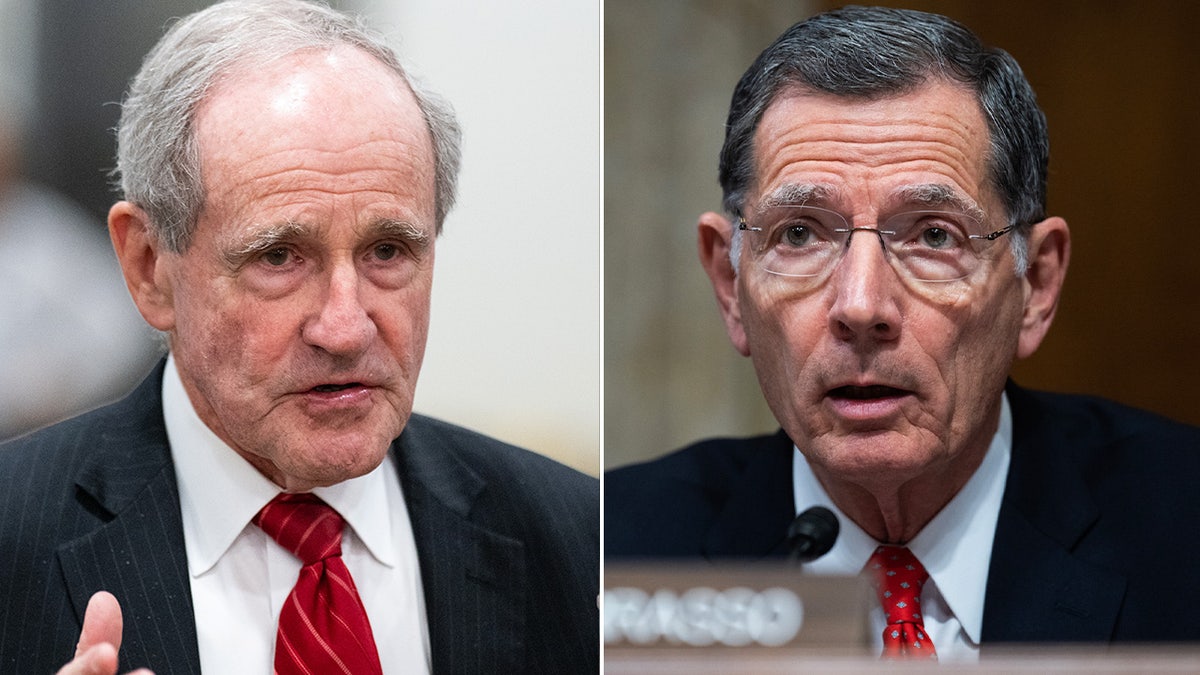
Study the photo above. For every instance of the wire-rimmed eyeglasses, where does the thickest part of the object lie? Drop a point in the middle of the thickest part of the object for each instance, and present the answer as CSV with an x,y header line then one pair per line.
x,y
807,241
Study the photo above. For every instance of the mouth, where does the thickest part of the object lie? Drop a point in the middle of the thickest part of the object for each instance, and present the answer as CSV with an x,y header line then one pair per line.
x,y
873,405
340,397
866,393
333,388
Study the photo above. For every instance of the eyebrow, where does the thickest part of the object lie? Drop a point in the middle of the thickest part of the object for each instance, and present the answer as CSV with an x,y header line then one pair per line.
x,y
939,196
796,194
259,240
924,195
250,244
417,238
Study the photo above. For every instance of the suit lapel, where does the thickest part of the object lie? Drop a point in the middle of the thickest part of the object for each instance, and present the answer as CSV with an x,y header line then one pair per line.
x,y
1038,588
138,553
754,519
1038,591
474,578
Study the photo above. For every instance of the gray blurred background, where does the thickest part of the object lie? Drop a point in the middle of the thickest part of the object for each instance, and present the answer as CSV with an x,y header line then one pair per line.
x,y
514,346
1118,84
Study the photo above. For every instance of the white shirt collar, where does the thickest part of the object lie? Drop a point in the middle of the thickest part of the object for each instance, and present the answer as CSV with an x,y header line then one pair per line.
x,y
219,492
955,547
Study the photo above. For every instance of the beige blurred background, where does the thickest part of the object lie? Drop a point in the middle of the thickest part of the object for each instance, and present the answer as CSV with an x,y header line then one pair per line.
x,y
1118,84
514,345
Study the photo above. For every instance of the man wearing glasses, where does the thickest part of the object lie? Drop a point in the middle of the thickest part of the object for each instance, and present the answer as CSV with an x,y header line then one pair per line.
x,y
884,259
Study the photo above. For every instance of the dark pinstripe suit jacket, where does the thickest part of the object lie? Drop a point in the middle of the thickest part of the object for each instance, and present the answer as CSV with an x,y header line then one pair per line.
x,y
508,543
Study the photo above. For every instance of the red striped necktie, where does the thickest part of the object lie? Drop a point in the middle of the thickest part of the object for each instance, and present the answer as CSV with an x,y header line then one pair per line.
x,y
900,577
323,627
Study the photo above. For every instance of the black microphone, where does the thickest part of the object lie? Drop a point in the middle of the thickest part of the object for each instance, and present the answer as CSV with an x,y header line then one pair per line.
x,y
812,534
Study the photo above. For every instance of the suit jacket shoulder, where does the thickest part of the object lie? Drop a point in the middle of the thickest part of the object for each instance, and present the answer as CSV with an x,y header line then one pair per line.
x,y
527,477
1093,540
727,497
1095,523
508,543
91,504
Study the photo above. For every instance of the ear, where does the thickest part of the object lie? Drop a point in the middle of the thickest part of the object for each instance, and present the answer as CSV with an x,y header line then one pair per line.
x,y
715,240
1049,254
144,264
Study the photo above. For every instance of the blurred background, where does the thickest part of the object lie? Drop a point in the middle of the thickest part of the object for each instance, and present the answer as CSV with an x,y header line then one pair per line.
x,y
1117,82
514,344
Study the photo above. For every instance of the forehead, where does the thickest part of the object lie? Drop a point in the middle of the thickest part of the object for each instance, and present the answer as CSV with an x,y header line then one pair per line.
x,y
335,121
872,151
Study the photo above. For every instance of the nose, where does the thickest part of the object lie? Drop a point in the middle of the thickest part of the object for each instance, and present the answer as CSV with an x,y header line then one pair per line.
x,y
342,326
865,288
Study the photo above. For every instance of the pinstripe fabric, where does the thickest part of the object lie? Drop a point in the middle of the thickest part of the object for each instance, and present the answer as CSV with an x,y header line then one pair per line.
x,y
93,505
509,549
323,627
508,543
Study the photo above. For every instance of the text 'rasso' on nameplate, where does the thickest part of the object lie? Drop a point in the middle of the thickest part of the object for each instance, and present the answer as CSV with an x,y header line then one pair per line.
x,y
745,605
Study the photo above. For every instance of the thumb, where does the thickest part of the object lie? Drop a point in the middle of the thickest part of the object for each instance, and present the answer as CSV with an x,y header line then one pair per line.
x,y
99,660
101,623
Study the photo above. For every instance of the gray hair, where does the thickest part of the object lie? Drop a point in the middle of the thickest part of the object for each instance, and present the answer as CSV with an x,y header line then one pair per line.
x,y
870,53
158,164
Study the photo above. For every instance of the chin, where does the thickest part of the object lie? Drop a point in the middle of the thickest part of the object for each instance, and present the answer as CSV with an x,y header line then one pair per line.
x,y
327,470
326,459
872,456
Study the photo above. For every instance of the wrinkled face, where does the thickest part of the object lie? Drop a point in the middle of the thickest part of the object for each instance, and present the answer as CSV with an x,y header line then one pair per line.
x,y
871,373
300,309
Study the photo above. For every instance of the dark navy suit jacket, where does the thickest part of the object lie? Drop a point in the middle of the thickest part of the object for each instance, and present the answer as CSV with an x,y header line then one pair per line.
x,y
1097,539
508,544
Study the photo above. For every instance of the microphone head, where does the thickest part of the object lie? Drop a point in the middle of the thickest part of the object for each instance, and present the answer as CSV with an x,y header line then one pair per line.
x,y
812,534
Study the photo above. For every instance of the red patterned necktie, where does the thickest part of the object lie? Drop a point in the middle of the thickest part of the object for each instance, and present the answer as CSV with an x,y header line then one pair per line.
x,y
900,578
323,627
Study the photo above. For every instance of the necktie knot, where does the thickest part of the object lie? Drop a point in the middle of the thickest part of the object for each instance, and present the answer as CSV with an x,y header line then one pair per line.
x,y
304,525
899,578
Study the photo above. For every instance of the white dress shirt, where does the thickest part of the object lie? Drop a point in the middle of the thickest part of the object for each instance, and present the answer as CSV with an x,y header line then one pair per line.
x,y
240,577
955,548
